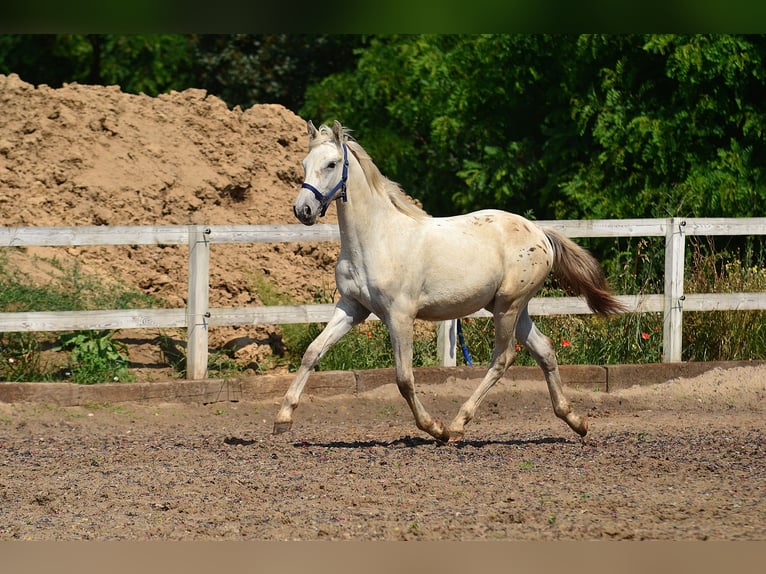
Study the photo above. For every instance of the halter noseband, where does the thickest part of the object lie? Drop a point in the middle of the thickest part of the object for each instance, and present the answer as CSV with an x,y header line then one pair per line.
x,y
325,200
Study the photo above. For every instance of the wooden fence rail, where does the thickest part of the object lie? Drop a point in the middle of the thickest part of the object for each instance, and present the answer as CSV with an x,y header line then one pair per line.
x,y
198,317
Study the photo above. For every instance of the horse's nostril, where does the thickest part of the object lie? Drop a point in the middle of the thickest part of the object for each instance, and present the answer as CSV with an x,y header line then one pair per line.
x,y
303,214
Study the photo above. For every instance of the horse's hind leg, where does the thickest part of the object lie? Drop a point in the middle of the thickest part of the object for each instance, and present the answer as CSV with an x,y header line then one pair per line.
x,y
346,315
542,350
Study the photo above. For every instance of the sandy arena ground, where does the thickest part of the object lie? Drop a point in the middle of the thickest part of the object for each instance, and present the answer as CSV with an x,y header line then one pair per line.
x,y
683,460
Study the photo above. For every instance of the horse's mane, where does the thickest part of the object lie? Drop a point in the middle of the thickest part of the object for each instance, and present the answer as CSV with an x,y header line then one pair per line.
x,y
378,182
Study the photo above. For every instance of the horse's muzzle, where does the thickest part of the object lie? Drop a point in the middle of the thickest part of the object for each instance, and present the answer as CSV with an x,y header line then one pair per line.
x,y
305,215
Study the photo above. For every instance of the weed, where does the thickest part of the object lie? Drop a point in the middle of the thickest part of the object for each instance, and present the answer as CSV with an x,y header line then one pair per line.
x,y
222,364
21,358
96,357
636,338
389,411
172,352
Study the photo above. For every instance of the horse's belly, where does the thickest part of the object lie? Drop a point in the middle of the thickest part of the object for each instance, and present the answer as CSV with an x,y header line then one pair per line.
x,y
450,302
446,313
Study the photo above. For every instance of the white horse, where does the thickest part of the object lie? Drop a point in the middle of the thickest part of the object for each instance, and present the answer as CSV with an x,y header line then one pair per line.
x,y
400,263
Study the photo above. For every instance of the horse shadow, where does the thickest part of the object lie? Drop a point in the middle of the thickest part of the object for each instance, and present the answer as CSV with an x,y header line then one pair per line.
x,y
410,442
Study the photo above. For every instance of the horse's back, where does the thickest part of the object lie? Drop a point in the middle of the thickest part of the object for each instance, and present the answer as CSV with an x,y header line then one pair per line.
x,y
488,228
467,260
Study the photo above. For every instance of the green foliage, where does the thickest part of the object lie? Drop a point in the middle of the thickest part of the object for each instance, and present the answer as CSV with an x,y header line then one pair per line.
x,y
149,63
21,360
221,364
246,69
95,357
671,125
591,126
635,338
68,289
366,346
580,339
241,69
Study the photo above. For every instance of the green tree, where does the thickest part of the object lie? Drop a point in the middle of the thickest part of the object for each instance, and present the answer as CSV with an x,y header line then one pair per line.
x,y
242,69
149,63
47,58
460,121
672,125
246,69
561,126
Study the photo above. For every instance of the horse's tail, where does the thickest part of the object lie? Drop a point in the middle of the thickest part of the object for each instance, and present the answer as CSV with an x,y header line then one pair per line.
x,y
579,272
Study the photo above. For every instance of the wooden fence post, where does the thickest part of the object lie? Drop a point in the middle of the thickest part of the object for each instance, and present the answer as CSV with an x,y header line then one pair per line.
x,y
672,336
197,305
446,343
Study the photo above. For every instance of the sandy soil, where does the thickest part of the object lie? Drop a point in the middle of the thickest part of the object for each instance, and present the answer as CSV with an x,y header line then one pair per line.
x,y
93,155
683,460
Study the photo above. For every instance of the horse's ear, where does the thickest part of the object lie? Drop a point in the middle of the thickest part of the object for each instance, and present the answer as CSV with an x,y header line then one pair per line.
x,y
337,131
311,129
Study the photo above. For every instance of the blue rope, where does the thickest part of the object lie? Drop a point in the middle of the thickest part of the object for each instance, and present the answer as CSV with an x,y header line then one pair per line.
x,y
461,339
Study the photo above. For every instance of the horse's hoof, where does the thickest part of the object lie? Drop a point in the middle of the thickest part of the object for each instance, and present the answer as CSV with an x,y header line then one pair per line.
x,y
578,424
440,433
281,427
455,437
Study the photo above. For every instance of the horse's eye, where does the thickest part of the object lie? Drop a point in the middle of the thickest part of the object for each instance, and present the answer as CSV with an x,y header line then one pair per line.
x,y
331,165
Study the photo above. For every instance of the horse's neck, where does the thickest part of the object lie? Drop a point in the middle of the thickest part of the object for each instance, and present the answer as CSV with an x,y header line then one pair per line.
x,y
367,216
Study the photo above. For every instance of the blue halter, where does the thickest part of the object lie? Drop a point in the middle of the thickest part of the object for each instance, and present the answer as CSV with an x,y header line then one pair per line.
x,y
325,200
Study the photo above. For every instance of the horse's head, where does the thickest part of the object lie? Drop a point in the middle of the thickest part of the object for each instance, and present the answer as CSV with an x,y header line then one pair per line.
x,y
326,169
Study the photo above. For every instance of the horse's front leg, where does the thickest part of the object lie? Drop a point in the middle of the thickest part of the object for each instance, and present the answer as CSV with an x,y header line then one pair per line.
x,y
347,314
401,331
504,354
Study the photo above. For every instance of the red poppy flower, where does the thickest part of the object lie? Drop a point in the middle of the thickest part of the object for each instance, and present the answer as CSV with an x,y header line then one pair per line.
x,y
565,343
644,336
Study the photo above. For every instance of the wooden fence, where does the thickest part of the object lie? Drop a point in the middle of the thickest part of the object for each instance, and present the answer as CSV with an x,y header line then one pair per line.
x,y
198,316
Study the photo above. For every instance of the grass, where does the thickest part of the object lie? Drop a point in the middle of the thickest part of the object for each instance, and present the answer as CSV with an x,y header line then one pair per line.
x,y
724,335
366,346
269,295
88,356
69,289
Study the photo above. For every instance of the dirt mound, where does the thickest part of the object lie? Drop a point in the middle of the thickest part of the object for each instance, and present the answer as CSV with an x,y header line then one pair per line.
x,y
93,155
